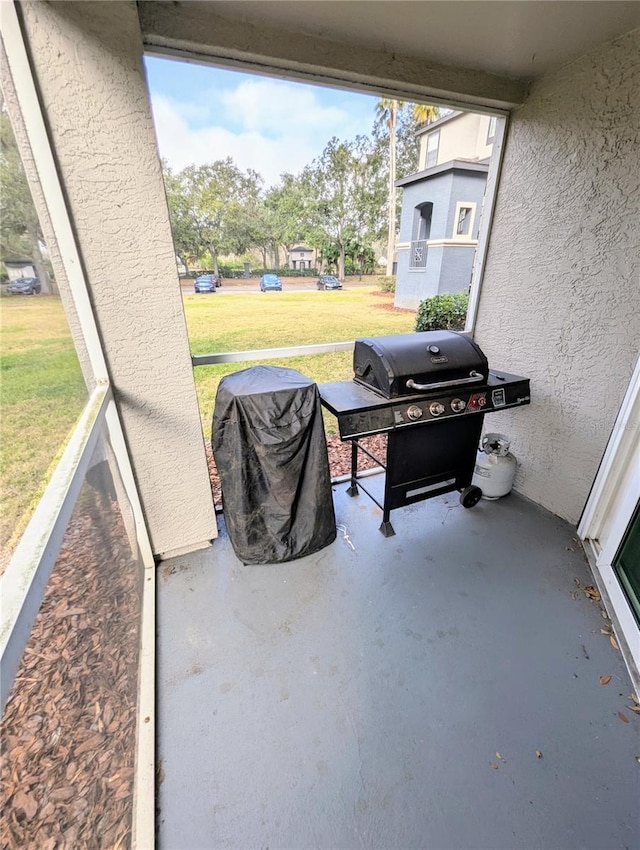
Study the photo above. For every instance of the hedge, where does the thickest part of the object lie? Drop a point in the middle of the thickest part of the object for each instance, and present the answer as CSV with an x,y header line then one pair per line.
x,y
387,283
443,312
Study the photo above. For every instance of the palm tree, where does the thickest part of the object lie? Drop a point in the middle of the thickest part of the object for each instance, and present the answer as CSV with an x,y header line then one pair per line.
x,y
424,113
387,113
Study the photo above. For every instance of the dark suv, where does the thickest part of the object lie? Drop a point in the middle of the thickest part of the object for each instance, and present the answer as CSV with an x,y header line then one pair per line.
x,y
24,286
328,281
207,283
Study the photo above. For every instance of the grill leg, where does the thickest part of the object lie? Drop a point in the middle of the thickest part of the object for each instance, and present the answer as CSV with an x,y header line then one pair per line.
x,y
385,527
352,490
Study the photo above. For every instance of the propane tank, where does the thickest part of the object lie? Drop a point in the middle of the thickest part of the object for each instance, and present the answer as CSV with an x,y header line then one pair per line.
x,y
495,467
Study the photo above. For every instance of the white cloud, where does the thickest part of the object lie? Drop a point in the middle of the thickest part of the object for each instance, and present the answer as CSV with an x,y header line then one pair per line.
x,y
282,128
282,107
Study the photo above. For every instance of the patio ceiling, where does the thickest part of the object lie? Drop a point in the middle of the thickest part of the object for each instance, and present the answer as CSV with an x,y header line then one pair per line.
x,y
460,54
517,39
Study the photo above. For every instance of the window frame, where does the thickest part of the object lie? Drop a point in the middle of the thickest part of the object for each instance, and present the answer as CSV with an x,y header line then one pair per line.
x,y
427,151
491,129
467,235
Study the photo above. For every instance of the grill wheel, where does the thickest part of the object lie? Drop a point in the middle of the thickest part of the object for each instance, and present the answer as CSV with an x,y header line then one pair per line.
x,y
470,496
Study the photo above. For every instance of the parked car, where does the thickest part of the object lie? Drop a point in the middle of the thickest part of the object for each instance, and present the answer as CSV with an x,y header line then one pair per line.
x,y
329,281
270,281
206,283
25,286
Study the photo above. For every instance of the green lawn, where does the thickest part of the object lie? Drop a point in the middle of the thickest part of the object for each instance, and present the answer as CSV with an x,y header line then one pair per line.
x,y
241,322
42,392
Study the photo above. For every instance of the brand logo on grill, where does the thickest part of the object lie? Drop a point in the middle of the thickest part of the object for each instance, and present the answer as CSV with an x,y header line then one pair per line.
x,y
440,359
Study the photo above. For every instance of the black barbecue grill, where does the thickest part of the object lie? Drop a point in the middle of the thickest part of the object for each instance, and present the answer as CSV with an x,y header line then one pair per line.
x,y
429,392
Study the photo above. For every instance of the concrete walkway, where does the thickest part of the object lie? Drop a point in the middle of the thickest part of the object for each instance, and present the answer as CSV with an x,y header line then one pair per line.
x,y
395,693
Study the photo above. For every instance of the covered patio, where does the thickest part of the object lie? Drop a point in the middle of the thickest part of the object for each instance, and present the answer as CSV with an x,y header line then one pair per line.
x,y
454,686
440,688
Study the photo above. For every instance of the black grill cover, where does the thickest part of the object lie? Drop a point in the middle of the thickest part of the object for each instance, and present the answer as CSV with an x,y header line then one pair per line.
x,y
270,451
385,363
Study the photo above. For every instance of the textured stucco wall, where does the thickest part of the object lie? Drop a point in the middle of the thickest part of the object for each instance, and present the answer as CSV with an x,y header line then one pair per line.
x,y
561,294
88,62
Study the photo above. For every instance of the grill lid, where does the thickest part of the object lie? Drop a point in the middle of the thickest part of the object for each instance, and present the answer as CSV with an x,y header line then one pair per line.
x,y
413,363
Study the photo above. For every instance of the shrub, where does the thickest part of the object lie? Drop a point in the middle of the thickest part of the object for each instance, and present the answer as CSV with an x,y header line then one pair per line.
x,y
387,283
285,271
443,312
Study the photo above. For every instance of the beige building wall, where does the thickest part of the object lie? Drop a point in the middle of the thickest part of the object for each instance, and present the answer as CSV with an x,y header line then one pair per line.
x,y
87,58
483,150
463,137
561,294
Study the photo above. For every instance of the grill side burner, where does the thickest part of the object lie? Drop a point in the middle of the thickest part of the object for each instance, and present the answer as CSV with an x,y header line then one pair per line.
x,y
432,437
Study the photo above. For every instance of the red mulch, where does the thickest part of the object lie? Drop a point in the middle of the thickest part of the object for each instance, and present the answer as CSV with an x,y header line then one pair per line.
x,y
69,729
388,305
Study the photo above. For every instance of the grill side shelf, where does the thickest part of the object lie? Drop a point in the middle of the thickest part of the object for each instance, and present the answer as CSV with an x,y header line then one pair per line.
x,y
360,412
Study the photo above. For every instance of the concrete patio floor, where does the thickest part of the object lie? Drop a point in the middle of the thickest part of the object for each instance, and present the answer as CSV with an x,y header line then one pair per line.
x,y
357,698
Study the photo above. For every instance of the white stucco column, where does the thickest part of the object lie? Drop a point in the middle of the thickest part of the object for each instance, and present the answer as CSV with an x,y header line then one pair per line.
x,y
87,60
559,300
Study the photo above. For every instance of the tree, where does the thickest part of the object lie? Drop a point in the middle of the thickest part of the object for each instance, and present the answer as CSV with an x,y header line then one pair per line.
x,y
344,195
290,209
20,232
256,229
424,113
210,208
392,116
387,112
185,239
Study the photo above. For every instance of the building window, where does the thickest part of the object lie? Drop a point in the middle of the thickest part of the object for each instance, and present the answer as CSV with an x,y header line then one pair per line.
x,y
491,132
433,142
463,220
422,221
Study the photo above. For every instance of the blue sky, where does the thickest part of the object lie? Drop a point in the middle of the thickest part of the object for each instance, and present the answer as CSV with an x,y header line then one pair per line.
x,y
203,113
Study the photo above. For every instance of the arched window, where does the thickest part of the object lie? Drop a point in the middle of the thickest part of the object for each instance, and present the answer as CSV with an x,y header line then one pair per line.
x,y
422,220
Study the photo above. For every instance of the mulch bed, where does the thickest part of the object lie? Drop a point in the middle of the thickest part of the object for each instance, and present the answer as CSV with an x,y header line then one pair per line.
x,y
386,303
69,727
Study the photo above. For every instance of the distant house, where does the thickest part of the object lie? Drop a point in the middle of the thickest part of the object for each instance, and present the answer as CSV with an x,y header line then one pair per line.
x,y
20,268
301,257
441,207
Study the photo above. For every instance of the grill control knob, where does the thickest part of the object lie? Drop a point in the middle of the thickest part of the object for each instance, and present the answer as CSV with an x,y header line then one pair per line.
x,y
414,412
458,405
436,408
433,349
